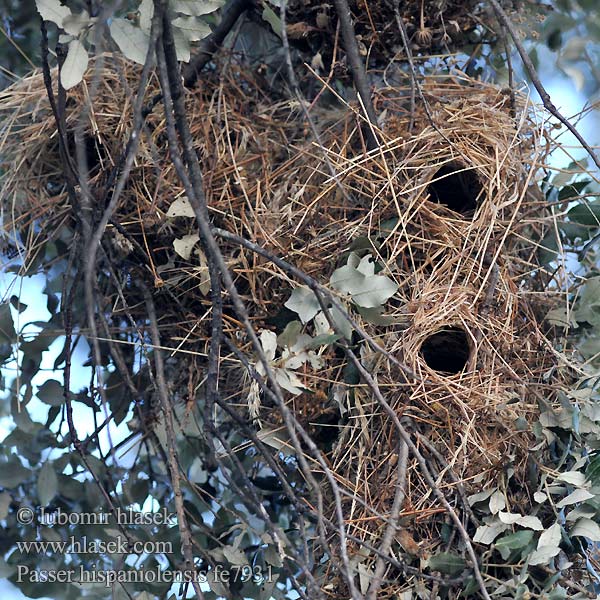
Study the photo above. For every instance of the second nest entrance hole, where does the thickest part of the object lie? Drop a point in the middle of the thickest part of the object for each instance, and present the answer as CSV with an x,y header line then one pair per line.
x,y
458,189
447,351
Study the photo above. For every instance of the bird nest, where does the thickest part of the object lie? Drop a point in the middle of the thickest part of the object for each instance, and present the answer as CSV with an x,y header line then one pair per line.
x,y
445,210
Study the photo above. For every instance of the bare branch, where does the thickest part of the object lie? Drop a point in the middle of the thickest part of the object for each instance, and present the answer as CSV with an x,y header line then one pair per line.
x,y
541,90
357,68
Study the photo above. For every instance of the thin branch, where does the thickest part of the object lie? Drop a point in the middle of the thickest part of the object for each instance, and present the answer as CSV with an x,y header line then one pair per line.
x,y
210,44
541,90
177,92
388,536
319,289
366,376
295,430
357,68
167,408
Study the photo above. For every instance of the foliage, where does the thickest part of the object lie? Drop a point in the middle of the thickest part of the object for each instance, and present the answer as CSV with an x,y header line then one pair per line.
x,y
132,37
258,538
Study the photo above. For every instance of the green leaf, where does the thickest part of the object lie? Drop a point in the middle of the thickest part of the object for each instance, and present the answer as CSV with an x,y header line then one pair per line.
x,y
8,335
326,339
13,473
572,190
146,11
272,19
74,24
5,500
574,231
593,470
47,484
303,302
561,317
342,325
268,340
486,534
184,246
181,207
548,546
195,8
192,28
579,495
528,521
586,528
52,10
289,335
51,392
588,306
235,556
376,316
182,45
17,304
364,287
6,570
21,416
272,556
447,563
132,41
74,66
585,213
548,248
514,541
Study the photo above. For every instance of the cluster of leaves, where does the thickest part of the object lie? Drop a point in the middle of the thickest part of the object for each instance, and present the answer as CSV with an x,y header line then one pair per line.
x,y
80,31
569,33
575,195
361,288
38,469
357,281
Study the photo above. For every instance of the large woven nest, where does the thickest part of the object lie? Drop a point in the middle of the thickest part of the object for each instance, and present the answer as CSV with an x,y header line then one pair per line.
x,y
446,207
450,211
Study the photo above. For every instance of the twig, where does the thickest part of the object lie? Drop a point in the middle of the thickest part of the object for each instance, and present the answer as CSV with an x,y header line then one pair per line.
x,y
319,289
541,90
294,428
357,68
207,47
414,84
93,238
167,408
415,81
392,525
201,209
303,103
422,466
459,487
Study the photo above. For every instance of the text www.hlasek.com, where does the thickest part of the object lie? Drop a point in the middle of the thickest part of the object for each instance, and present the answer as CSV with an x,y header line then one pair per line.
x,y
119,545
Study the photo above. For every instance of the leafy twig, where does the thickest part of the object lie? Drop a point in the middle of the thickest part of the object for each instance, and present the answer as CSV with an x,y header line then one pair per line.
x,y
207,47
541,90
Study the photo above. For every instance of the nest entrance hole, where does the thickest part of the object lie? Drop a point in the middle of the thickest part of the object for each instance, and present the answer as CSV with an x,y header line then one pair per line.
x,y
447,351
456,188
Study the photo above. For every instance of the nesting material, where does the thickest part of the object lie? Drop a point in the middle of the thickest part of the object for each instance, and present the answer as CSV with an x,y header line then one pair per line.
x,y
448,209
445,207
